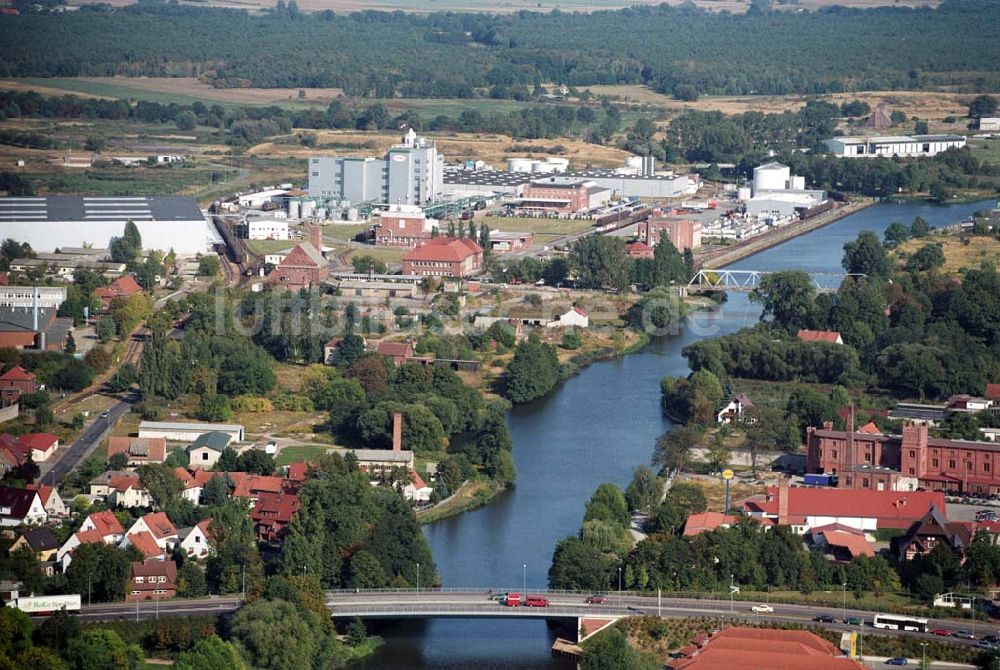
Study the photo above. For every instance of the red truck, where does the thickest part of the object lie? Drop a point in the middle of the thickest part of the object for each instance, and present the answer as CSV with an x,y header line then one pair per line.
x,y
513,599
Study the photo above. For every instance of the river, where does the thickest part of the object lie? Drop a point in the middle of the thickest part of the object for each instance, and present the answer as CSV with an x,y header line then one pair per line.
x,y
596,427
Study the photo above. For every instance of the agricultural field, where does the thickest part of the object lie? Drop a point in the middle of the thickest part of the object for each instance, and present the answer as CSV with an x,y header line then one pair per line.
x,y
959,251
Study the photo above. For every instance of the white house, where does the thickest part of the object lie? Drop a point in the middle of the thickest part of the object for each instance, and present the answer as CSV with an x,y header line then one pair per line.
x,y
159,526
574,317
205,451
417,490
194,540
266,229
733,410
192,489
21,507
98,527
51,499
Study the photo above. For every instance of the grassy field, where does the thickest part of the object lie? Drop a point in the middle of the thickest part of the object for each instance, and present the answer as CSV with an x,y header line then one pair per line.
x,y
304,452
389,255
344,232
269,246
957,253
540,227
985,150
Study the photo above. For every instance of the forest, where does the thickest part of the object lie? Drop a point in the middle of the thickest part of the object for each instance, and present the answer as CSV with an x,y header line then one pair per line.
x,y
676,50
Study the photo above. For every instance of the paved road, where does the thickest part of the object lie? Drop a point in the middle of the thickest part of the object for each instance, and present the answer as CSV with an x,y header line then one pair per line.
x,y
87,442
167,608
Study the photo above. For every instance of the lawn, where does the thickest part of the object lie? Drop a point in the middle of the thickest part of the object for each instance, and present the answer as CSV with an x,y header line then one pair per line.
x,y
985,150
542,228
389,255
344,232
262,247
302,452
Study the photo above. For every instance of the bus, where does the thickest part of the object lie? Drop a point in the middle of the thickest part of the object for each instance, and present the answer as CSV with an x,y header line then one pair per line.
x,y
900,622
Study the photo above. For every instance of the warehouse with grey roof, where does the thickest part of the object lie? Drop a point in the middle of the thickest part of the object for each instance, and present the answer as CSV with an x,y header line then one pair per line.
x,y
51,222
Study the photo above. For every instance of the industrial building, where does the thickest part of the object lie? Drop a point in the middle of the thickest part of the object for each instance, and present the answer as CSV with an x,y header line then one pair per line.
x,y
777,193
31,296
544,166
623,182
403,226
53,222
263,229
564,195
503,242
410,173
682,233
988,123
444,257
902,146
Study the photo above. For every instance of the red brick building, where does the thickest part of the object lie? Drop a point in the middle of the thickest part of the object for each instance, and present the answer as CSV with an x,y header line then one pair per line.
x,y
682,233
403,226
152,580
639,250
272,514
14,383
444,257
903,462
564,195
304,266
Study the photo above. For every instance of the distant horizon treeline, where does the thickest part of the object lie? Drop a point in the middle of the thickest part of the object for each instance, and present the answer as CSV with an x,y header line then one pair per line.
x,y
680,51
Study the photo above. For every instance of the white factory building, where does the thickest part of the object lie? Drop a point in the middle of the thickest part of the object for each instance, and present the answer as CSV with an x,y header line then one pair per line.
x,y
464,182
51,222
777,193
264,229
903,146
44,297
411,173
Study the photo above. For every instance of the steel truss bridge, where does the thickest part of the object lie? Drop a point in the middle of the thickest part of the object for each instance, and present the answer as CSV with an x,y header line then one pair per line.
x,y
749,280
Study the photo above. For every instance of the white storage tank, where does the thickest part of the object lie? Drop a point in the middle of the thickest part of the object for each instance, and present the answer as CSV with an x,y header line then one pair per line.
x,y
519,164
560,164
543,167
293,209
634,162
308,207
798,183
743,193
771,177
352,213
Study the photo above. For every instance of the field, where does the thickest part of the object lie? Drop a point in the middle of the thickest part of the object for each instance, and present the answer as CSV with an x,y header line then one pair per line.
x,y
542,228
303,452
957,253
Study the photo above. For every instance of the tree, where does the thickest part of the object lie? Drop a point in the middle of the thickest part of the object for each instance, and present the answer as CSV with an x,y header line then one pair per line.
x,y
579,566
15,632
227,460
982,105
356,633
128,312
644,491
611,650
896,234
57,631
99,572
215,491
126,248
277,635
928,257
161,482
352,349
674,446
103,649
255,461
365,263
118,462
789,298
608,504
533,372
105,328
919,227
600,262
70,347
366,572
212,653
867,256
571,339
191,580
186,120
213,407
209,266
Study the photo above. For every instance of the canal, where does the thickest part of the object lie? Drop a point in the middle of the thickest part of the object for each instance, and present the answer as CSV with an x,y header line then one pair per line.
x,y
596,427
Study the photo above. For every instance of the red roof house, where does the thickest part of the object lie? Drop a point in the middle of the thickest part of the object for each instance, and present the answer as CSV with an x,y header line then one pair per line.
x,y
14,383
272,514
146,544
41,445
830,336
766,649
444,257
122,287
992,392
399,352
638,250
697,524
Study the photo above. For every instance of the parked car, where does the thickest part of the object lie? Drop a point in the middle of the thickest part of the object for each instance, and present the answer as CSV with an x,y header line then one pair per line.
x,y
597,599
762,609
899,660
963,635
941,631
536,601
824,618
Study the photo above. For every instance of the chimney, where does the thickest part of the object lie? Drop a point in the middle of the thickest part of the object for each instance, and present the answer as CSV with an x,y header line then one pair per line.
x,y
849,452
316,237
783,502
397,431
34,308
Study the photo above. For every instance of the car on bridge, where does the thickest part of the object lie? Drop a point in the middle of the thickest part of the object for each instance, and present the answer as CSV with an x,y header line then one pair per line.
x,y
963,635
596,599
899,660
499,597
941,631
824,618
536,601
854,621
762,609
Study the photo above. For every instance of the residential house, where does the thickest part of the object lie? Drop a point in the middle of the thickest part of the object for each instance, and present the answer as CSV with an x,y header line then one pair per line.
x,y
121,488
733,410
191,489
139,450
98,527
21,507
145,544
205,451
40,445
399,352
14,383
933,529
831,336
803,508
576,316
639,250
703,522
304,266
254,486
968,404
444,257
297,471
194,540
151,580
272,514
53,502
416,490
40,541
122,287
159,526
762,649
843,543
331,350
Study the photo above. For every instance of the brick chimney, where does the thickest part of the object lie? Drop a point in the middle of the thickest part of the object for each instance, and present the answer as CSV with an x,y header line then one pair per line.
x,y
783,502
316,237
849,451
397,431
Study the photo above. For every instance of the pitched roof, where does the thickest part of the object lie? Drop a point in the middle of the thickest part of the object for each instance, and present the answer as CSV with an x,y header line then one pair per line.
x,y
106,523
854,543
253,485
417,480
148,568
893,509
123,286
935,524
394,349
186,479
706,521
992,392
18,374
39,441
870,429
146,544
818,335
767,649
40,539
159,525
304,255
44,491
214,439
92,536
297,471
147,448
125,482
743,399
18,500
638,246
271,507
447,249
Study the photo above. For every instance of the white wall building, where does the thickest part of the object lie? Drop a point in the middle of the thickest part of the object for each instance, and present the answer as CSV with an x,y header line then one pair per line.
x,y
989,123
265,229
903,146
188,431
51,222
28,296
258,199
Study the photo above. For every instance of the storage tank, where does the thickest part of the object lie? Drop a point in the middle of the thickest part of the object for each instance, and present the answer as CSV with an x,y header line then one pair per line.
x,y
293,209
320,213
771,177
519,164
543,167
308,207
743,193
352,213
798,183
634,162
560,164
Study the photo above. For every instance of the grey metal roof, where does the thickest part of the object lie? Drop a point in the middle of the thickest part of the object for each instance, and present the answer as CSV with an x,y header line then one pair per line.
x,y
453,175
215,440
82,209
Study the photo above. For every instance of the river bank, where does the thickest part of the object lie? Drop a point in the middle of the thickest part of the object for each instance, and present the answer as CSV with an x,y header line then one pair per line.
x,y
718,258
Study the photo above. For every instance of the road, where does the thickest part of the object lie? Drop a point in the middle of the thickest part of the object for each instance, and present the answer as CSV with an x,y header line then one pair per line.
x,y
153,609
87,442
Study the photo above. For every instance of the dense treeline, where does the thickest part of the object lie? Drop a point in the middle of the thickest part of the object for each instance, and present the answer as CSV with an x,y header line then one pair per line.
x,y
681,51
917,332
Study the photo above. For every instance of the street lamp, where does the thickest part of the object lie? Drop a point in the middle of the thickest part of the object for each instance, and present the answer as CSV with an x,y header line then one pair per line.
x,y
923,654
845,601
418,578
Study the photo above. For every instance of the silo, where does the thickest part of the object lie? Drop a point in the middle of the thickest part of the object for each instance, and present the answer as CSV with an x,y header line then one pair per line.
x,y
352,213
634,163
558,164
543,167
771,177
798,183
293,209
519,164
308,207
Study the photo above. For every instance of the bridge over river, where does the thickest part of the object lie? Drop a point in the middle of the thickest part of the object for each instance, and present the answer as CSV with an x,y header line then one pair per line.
x,y
748,280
